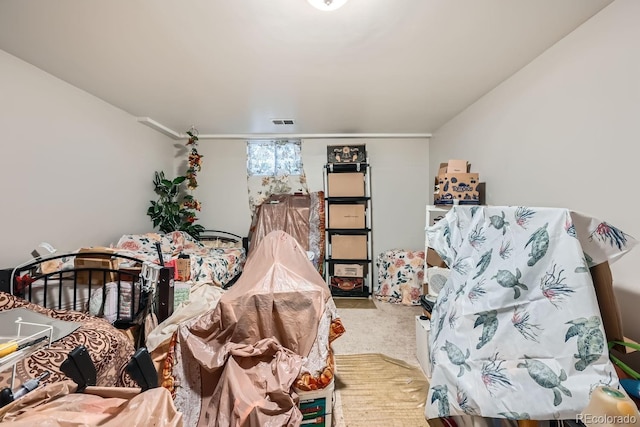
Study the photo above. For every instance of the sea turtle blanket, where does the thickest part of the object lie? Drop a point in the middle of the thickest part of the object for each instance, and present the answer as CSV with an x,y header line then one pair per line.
x,y
516,332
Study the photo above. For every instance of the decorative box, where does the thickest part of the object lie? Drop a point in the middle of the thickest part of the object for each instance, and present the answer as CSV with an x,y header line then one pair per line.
x,y
346,154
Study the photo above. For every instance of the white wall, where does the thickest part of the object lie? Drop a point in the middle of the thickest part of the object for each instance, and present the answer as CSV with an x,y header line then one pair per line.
x,y
564,132
75,171
399,184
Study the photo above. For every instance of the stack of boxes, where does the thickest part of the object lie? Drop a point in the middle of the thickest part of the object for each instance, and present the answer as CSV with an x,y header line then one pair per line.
x,y
96,258
347,216
455,184
348,219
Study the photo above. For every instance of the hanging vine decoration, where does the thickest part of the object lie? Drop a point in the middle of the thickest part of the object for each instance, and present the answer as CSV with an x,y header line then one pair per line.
x,y
195,166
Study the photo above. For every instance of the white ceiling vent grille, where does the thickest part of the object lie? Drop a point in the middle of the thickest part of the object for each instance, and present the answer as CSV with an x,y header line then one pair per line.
x,y
282,121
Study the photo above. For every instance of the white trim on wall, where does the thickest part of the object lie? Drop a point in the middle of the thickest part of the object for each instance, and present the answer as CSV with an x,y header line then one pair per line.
x,y
244,136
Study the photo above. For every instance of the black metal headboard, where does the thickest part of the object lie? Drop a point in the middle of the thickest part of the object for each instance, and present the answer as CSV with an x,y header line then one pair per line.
x,y
224,236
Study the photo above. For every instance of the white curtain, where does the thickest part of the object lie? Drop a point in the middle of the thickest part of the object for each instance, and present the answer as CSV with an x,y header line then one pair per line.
x,y
274,167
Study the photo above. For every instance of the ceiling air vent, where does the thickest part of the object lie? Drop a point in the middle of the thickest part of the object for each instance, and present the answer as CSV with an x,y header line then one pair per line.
x,y
282,121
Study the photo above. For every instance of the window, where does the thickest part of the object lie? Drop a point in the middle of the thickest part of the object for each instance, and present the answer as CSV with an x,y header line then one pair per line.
x,y
274,157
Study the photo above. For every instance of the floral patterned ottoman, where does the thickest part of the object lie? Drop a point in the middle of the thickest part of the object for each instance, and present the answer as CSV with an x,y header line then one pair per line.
x,y
400,274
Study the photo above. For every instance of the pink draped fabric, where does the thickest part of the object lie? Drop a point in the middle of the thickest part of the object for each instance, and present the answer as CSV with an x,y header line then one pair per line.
x,y
251,346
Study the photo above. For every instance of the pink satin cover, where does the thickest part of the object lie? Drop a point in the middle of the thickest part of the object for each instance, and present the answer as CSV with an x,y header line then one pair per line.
x,y
287,212
58,405
250,347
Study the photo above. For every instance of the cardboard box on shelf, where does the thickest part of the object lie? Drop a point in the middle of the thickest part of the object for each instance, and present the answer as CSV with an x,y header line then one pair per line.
x,y
346,216
348,270
434,260
463,187
88,258
345,184
344,246
458,166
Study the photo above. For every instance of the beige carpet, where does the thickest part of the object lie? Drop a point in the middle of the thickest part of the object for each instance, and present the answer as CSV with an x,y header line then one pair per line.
x,y
366,303
377,390
389,330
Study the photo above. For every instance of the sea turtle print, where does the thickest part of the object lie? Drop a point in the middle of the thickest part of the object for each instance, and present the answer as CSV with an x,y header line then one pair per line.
x,y
591,340
545,377
499,223
456,356
507,279
440,393
489,320
539,242
482,265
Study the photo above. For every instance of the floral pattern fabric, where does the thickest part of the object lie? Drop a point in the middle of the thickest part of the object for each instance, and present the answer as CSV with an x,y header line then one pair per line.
x,y
274,167
261,187
516,331
400,274
217,266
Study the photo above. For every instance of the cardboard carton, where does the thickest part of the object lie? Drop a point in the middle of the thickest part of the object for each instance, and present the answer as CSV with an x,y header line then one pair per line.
x,y
609,310
434,260
130,274
458,166
88,258
183,269
463,187
345,246
348,270
346,216
346,184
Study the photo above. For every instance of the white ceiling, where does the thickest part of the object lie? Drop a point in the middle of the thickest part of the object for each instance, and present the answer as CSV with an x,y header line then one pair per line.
x,y
229,67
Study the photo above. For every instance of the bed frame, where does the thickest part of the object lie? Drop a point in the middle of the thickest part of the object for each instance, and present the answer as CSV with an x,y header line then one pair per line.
x,y
69,275
228,238
77,277
224,237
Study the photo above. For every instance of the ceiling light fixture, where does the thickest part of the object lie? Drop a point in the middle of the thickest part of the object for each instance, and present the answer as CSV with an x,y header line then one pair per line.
x,y
327,5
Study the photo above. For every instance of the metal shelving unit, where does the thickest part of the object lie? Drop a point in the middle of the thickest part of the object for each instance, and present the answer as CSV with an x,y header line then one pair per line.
x,y
357,283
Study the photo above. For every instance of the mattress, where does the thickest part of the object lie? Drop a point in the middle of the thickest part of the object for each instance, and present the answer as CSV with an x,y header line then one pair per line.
x,y
87,298
61,298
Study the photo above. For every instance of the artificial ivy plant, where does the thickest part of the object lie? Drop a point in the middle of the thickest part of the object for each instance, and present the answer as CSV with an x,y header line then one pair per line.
x,y
175,210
